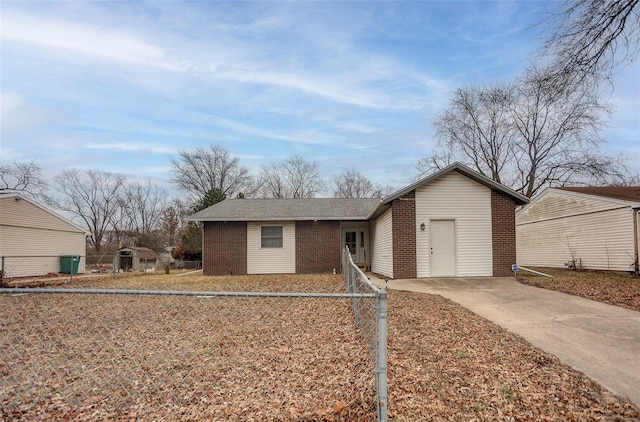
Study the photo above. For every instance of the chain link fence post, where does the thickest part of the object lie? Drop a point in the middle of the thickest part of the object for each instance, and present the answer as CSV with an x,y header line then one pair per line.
x,y
381,364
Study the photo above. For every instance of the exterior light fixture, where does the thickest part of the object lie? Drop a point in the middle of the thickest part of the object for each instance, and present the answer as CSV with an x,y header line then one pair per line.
x,y
422,226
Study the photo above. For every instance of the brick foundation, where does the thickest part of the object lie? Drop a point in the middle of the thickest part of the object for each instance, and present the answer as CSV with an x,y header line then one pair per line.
x,y
403,215
317,246
224,248
503,231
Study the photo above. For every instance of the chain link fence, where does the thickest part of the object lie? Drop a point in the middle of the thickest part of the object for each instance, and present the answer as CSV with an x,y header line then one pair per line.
x,y
370,313
17,271
164,347
12,267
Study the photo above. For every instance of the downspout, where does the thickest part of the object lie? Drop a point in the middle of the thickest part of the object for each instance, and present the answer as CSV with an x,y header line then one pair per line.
x,y
636,240
202,249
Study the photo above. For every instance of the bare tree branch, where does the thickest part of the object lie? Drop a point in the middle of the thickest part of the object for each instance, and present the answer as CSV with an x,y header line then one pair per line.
x,y
352,184
25,177
142,206
527,135
203,170
91,196
591,38
291,178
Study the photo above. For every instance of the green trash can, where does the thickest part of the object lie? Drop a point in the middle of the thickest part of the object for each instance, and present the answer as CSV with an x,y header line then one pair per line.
x,y
69,263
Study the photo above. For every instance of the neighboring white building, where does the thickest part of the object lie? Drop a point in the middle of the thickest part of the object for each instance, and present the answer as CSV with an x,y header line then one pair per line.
x,y
32,238
596,227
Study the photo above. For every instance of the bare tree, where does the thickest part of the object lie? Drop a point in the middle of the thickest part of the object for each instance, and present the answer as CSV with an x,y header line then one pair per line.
x,y
352,184
476,126
91,196
532,134
142,206
558,134
24,177
203,170
271,181
476,129
171,221
293,177
592,37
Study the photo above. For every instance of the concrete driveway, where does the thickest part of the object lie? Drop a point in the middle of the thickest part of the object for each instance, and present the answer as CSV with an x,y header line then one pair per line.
x,y
600,340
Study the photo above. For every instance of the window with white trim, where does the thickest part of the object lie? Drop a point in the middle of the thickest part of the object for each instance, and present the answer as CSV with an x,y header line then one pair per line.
x,y
271,236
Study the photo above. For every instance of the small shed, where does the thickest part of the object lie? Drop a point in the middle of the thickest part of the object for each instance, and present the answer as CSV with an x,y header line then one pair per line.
x,y
582,227
131,258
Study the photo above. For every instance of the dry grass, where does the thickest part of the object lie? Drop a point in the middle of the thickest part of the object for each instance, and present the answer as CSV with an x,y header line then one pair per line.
x,y
614,288
167,358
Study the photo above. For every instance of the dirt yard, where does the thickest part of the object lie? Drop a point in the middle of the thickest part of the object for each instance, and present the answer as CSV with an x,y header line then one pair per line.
x,y
618,289
185,358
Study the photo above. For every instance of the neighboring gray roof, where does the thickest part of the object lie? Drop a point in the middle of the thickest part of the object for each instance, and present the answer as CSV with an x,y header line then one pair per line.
x,y
142,253
466,171
288,209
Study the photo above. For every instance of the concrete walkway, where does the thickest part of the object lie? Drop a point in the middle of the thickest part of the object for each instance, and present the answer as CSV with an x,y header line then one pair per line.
x,y
600,340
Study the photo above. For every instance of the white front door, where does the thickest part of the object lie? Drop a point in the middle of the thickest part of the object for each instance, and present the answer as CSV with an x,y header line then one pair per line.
x,y
357,240
443,248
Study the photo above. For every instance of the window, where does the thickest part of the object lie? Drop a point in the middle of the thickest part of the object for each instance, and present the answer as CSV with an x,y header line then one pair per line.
x,y
271,236
350,241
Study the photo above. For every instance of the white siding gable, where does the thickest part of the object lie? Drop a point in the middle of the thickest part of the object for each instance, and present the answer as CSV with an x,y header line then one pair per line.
x,y
556,204
456,197
27,230
271,260
18,212
382,245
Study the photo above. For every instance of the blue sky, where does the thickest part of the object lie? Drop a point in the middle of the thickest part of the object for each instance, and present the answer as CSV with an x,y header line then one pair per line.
x,y
123,86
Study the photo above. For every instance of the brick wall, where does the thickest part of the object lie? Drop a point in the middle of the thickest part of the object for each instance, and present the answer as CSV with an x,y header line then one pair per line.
x,y
224,248
317,246
403,216
503,223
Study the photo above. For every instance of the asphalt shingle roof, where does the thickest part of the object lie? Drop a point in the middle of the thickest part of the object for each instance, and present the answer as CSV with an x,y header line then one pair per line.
x,y
288,209
625,193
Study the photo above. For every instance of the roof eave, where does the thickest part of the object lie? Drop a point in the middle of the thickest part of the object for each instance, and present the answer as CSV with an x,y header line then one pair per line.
x,y
492,184
224,219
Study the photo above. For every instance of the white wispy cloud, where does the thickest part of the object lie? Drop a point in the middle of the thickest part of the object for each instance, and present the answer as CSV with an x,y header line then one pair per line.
x,y
131,146
189,57
20,117
76,38
305,138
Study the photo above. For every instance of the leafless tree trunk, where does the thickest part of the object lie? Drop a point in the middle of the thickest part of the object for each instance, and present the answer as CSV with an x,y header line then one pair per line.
x,y
91,196
22,177
203,170
591,37
292,178
352,184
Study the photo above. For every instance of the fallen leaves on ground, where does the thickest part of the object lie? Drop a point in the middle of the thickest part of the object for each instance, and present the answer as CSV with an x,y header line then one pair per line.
x,y
614,288
83,357
446,363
